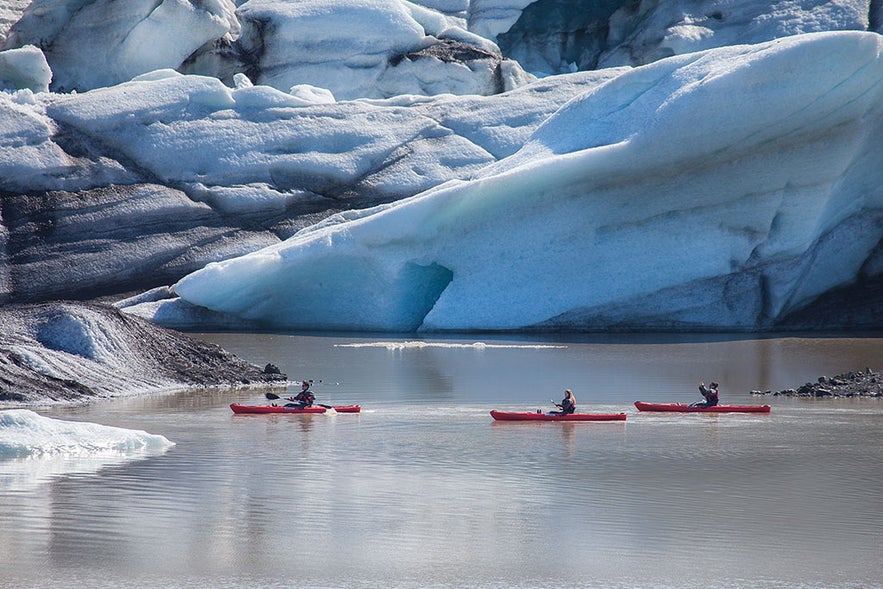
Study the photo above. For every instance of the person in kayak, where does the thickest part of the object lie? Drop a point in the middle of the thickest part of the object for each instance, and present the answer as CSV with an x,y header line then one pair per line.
x,y
710,393
567,404
304,398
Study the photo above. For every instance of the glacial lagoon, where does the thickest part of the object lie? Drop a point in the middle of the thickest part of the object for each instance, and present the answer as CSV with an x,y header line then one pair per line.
x,y
423,489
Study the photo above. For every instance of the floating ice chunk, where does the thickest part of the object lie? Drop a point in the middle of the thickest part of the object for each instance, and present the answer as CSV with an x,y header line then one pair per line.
x,y
34,448
25,433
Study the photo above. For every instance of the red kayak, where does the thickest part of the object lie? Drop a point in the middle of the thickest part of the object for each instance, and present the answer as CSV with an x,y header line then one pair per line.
x,y
681,408
533,416
242,409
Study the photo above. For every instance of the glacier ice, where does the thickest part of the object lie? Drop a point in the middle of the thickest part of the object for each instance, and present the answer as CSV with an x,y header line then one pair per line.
x,y
24,69
222,164
126,38
719,190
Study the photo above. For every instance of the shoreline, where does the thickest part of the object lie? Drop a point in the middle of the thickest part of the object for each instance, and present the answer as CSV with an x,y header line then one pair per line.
x,y
849,385
71,353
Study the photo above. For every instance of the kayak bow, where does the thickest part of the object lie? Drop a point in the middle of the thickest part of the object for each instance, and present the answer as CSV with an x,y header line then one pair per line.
x,y
532,416
249,409
681,408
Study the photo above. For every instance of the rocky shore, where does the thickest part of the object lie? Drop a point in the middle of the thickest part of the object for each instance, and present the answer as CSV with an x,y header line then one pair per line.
x,y
850,384
66,352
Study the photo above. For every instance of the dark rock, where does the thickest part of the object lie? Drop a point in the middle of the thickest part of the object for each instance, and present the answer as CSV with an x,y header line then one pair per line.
x,y
853,384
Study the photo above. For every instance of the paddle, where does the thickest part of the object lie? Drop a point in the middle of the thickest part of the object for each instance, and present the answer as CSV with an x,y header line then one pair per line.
x,y
273,397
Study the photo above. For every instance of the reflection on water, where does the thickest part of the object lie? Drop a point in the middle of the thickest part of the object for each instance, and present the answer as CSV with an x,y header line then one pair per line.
x,y
423,489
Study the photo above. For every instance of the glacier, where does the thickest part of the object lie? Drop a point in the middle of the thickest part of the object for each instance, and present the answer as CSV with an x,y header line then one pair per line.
x,y
360,48
144,182
598,133
722,189
353,48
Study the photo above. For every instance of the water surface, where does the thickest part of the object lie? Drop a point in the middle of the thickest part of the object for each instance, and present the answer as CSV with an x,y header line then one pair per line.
x,y
423,489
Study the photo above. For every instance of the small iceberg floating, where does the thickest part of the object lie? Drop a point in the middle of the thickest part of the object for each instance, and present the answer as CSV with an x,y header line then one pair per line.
x,y
34,449
24,433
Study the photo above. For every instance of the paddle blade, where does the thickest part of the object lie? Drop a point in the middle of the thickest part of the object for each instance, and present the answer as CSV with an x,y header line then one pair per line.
x,y
272,396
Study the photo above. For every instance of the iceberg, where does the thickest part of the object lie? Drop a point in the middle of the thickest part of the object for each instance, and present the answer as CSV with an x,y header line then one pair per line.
x,y
34,448
24,433
717,190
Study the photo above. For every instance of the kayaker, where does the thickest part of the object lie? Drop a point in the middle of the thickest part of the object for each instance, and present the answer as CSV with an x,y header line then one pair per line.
x,y
710,393
304,398
567,404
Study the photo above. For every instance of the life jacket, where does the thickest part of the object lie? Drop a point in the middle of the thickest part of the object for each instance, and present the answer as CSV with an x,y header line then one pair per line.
x,y
305,397
711,395
568,405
